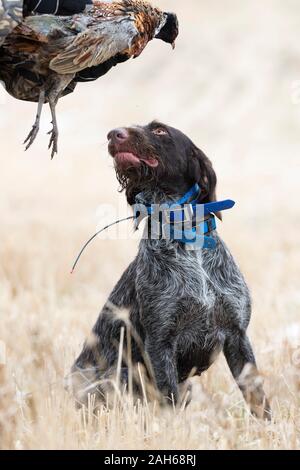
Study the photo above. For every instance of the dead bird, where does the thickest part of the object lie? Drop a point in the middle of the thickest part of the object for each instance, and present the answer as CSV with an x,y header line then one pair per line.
x,y
51,50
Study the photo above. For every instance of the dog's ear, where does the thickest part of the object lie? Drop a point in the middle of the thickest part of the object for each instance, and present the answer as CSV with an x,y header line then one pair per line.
x,y
202,172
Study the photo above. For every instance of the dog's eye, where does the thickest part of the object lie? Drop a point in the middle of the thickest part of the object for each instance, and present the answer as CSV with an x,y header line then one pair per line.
x,y
159,131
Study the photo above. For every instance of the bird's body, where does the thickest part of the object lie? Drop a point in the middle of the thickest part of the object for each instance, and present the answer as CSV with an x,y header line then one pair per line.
x,y
23,84
50,51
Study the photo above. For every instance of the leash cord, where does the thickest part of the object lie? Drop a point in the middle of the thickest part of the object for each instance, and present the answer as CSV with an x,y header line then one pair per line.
x,y
94,236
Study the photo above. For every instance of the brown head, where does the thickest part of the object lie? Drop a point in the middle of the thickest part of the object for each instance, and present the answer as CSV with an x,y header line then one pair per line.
x,y
157,157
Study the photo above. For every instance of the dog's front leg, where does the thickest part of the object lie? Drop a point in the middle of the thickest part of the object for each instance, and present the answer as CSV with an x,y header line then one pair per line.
x,y
241,361
162,357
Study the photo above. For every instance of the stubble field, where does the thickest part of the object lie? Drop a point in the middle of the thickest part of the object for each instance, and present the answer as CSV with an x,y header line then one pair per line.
x,y
232,85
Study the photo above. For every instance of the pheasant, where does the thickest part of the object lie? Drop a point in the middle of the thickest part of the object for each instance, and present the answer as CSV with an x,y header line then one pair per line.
x,y
51,51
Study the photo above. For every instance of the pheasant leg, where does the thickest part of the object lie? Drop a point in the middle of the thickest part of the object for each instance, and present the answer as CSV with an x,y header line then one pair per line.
x,y
56,86
36,126
54,131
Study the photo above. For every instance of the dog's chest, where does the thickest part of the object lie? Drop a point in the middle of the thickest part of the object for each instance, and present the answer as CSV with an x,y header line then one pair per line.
x,y
174,274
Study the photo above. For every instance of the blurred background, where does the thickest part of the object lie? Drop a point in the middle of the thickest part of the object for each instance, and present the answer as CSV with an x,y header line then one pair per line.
x,y
232,85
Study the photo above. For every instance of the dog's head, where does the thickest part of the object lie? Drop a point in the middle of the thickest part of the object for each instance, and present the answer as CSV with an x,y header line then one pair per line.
x,y
159,157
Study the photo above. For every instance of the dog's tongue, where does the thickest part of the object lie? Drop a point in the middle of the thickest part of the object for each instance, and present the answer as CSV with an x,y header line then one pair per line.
x,y
127,159
130,159
152,162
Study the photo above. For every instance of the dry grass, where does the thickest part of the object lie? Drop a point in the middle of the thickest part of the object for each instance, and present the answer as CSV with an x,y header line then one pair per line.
x,y
229,86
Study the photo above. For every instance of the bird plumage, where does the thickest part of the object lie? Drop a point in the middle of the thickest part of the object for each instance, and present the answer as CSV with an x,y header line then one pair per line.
x,y
51,50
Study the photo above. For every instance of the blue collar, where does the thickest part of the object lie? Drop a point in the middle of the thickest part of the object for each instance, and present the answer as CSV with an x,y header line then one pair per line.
x,y
184,220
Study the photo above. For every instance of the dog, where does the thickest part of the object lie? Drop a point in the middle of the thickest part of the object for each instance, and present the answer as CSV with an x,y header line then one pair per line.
x,y
184,306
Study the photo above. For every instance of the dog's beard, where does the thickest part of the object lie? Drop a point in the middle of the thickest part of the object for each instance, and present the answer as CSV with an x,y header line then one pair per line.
x,y
134,180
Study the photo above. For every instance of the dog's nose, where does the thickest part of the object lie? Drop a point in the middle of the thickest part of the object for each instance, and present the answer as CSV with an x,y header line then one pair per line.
x,y
118,135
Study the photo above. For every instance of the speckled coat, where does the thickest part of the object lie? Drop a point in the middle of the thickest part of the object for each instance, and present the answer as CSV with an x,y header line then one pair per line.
x,y
184,306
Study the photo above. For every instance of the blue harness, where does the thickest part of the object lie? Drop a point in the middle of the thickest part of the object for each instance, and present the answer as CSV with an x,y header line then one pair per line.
x,y
195,221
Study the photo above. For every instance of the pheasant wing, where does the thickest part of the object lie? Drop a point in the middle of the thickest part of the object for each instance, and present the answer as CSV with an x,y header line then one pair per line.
x,y
41,28
96,45
35,32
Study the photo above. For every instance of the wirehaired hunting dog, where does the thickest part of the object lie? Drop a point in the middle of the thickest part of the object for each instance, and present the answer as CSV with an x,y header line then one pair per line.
x,y
184,305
